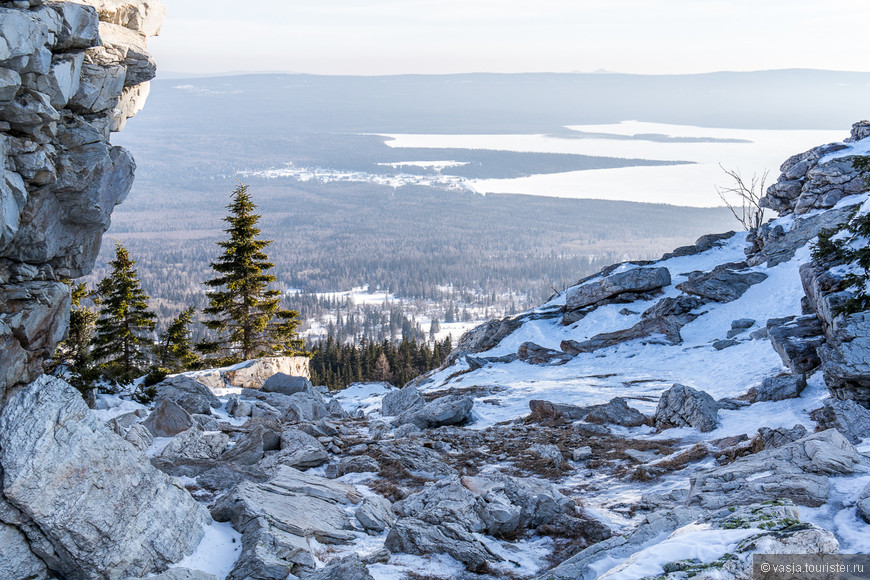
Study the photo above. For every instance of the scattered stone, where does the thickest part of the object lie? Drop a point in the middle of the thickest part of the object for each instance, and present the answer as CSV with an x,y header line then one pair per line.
x,y
723,344
347,568
398,401
449,410
189,394
168,420
376,514
682,406
549,453
616,412
581,453
286,384
196,444
777,388
847,417
355,464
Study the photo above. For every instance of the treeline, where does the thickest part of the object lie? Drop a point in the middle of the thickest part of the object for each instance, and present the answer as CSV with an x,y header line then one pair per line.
x,y
336,364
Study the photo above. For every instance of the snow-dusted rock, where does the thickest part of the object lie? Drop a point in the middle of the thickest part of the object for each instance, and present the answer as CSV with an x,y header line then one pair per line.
x,y
724,283
127,517
634,280
376,514
168,419
768,438
355,464
778,388
682,406
847,417
449,410
189,394
277,517
797,471
413,536
616,412
806,184
536,354
398,401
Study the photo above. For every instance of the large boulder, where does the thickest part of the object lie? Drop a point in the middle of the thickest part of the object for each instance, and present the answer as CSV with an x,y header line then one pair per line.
x,y
616,412
847,417
375,514
398,401
187,393
299,450
168,419
797,471
682,406
286,384
127,518
253,373
347,568
449,410
777,388
635,280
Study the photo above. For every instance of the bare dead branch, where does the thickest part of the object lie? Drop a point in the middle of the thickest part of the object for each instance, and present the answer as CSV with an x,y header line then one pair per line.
x,y
749,213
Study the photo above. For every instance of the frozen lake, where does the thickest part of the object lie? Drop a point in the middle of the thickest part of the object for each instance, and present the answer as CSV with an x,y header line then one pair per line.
x,y
749,151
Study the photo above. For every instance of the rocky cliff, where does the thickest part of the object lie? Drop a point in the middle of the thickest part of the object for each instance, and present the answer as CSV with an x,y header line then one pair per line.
x,y
76,501
70,74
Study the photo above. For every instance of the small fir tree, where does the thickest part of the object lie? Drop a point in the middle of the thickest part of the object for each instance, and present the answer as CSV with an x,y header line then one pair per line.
x,y
73,356
175,352
123,342
246,314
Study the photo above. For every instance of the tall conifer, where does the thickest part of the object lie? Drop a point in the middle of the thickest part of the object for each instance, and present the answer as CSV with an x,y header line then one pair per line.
x,y
123,329
246,315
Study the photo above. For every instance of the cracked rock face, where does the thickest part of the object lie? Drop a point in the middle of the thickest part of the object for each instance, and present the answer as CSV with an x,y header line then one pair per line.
x,y
70,74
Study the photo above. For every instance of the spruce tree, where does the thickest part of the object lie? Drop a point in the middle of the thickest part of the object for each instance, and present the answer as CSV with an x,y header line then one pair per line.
x,y
73,355
246,314
123,339
175,353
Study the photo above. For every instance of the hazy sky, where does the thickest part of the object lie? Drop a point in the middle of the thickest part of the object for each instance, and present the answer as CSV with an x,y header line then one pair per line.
x,y
447,36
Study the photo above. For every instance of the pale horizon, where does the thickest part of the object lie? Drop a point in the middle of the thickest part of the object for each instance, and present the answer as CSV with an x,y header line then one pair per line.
x,y
385,37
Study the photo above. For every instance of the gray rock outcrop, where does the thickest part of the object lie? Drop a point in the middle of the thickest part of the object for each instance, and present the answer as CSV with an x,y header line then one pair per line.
x,y
797,342
636,280
376,514
286,384
90,504
724,283
811,180
797,471
846,416
69,75
277,518
682,406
